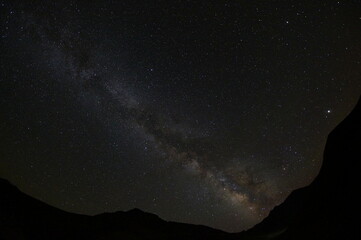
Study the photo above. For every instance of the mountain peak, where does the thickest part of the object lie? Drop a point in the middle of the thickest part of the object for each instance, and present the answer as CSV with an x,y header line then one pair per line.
x,y
136,210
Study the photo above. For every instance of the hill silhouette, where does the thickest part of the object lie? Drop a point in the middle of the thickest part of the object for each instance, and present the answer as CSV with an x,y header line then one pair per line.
x,y
326,209
329,207
23,217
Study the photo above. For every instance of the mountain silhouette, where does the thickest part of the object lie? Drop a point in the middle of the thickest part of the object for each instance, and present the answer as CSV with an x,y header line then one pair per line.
x,y
326,209
23,217
329,207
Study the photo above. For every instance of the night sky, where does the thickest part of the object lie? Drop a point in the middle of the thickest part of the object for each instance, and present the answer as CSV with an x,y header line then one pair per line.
x,y
199,112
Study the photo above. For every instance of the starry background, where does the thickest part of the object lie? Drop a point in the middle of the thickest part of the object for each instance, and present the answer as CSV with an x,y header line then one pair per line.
x,y
205,113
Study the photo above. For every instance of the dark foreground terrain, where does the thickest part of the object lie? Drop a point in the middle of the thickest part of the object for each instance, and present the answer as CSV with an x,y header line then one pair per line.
x,y
326,209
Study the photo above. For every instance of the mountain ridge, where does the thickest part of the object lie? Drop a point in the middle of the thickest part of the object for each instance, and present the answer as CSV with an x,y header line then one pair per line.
x,y
326,209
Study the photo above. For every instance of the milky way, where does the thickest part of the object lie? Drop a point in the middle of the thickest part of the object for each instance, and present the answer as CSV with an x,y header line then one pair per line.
x,y
173,142
199,113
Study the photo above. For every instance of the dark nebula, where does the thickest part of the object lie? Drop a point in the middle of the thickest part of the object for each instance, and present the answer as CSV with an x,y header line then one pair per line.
x,y
198,112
